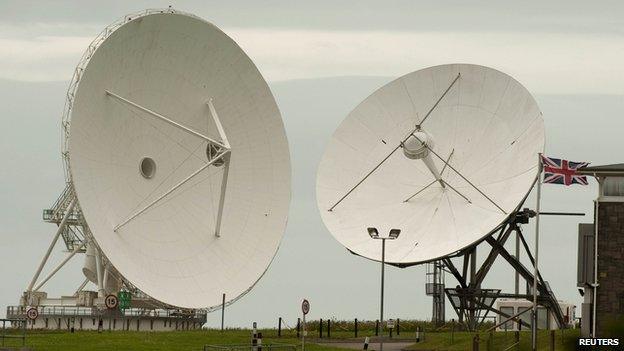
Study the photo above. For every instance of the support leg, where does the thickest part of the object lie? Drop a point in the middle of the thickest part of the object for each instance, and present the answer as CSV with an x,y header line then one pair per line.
x,y
99,273
78,248
60,229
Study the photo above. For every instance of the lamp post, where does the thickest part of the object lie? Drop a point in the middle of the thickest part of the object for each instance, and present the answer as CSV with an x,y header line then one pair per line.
x,y
374,234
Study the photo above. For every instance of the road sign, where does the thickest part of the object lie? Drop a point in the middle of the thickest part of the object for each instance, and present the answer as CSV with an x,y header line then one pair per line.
x,y
32,313
305,306
390,323
125,298
111,301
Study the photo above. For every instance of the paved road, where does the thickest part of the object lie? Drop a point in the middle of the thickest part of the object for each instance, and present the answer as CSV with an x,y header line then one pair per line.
x,y
388,346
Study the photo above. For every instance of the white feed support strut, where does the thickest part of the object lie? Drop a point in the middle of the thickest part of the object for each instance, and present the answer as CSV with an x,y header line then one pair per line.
x,y
138,213
163,118
418,127
226,167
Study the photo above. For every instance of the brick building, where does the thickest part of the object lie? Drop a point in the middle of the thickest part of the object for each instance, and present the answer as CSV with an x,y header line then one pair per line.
x,y
608,284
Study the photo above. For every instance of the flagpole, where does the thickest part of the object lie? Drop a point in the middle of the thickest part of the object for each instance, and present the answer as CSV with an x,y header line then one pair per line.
x,y
537,217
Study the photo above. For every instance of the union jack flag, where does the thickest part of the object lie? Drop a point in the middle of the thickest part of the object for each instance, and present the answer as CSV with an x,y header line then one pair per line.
x,y
557,171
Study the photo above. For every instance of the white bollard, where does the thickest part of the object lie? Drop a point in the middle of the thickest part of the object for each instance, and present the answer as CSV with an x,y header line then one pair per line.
x,y
366,343
254,338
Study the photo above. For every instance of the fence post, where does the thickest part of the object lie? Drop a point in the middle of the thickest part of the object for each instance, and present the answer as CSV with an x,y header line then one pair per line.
x,y
279,327
356,327
254,338
452,331
321,328
328,328
377,327
223,313
398,327
475,343
298,326
418,333
552,340
490,342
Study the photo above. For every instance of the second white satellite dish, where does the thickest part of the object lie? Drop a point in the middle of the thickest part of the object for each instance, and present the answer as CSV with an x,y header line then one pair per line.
x,y
179,159
445,154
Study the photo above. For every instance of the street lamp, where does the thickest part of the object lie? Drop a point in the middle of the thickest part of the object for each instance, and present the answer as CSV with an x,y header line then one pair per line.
x,y
374,234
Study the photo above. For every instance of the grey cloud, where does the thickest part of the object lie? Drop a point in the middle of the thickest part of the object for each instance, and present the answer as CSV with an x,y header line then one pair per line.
x,y
532,16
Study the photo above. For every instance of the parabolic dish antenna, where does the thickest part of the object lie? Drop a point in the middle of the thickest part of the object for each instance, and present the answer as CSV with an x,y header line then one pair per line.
x,y
179,159
445,154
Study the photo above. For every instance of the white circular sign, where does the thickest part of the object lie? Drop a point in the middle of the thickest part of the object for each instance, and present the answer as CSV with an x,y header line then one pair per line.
x,y
111,301
305,306
32,313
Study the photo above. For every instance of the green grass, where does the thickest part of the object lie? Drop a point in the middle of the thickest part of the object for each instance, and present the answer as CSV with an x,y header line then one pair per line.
x,y
564,340
196,339
133,340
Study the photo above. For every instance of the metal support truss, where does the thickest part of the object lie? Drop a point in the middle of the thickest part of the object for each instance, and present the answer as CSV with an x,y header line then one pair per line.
x,y
470,301
434,287
58,267
472,305
65,213
60,229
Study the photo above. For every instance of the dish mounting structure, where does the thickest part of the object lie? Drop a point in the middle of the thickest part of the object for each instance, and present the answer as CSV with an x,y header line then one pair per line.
x,y
68,213
453,118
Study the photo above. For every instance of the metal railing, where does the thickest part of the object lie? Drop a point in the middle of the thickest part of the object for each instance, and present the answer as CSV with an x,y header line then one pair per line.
x,y
21,327
516,343
94,312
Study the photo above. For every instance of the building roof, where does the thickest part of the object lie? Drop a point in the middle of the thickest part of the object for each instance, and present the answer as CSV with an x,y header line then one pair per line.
x,y
614,169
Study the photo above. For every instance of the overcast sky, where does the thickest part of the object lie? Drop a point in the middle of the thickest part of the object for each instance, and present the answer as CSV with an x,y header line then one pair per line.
x,y
568,53
553,46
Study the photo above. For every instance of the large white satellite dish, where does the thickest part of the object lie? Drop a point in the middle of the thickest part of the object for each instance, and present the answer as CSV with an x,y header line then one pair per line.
x,y
445,154
179,159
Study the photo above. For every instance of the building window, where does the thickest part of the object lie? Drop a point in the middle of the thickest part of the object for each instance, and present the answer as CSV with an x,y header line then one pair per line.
x,y
613,186
542,318
510,324
526,316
